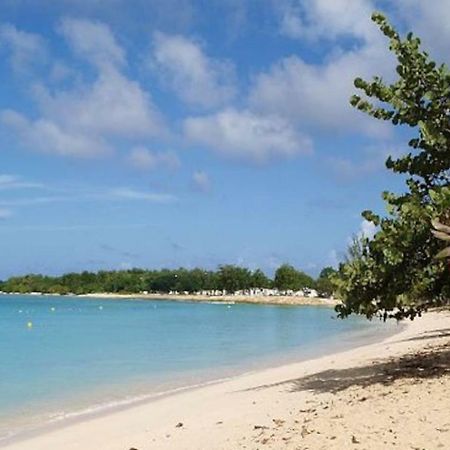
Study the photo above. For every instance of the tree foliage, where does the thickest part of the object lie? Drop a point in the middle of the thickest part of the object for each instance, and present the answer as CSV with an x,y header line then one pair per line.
x,y
227,278
396,274
289,278
441,232
324,284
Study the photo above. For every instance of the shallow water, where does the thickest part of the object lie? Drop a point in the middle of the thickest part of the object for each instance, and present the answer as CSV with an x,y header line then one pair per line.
x,y
60,355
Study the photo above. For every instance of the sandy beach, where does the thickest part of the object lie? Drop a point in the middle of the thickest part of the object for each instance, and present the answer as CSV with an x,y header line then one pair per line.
x,y
391,394
251,299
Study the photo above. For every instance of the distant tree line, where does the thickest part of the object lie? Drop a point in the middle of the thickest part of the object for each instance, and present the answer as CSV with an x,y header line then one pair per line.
x,y
229,278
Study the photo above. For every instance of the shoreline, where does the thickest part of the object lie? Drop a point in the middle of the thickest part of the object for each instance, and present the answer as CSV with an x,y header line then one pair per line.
x,y
281,300
350,340
233,401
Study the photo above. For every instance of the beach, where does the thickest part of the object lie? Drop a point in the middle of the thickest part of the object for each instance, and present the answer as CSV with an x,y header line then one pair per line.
x,y
292,300
393,393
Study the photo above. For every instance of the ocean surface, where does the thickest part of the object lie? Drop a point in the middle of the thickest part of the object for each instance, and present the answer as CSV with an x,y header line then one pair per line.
x,y
63,356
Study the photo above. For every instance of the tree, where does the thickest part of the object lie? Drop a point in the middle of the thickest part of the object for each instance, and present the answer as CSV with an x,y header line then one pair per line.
x,y
259,279
442,232
324,284
288,278
233,278
395,274
327,272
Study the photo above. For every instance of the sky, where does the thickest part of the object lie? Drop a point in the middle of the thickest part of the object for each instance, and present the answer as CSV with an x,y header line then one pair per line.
x,y
167,133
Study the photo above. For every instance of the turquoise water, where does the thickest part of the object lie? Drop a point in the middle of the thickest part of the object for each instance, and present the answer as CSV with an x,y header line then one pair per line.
x,y
82,354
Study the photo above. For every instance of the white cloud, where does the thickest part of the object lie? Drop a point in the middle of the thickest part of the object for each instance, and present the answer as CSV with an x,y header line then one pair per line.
x,y
60,72
48,137
318,95
325,19
14,182
5,213
93,41
97,194
430,21
246,135
26,49
133,194
84,119
367,229
196,78
113,105
143,159
201,181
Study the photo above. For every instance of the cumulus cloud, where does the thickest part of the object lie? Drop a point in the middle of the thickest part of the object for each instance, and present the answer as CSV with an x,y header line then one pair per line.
x,y
49,137
324,19
26,49
112,105
83,119
246,135
317,95
93,41
144,159
197,79
201,181
430,21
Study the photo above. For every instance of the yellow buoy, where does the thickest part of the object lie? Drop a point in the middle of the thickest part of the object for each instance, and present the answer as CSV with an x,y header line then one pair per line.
x,y
30,324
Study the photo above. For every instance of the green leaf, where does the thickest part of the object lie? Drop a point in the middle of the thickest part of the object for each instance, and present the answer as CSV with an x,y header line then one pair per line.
x,y
440,227
440,235
444,253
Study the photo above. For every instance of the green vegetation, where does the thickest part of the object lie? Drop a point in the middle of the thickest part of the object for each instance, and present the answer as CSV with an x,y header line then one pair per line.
x,y
396,274
442,232
324,284
227,278
288,278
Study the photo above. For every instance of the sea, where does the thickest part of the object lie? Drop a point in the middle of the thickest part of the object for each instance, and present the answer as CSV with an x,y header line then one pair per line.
x,y
65,357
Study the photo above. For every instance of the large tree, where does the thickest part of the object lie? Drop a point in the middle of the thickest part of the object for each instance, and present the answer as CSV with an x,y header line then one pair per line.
x,y
396,274
289,278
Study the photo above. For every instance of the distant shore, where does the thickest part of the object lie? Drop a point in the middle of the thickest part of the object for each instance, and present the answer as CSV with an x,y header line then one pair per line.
x,y
288,300
253,299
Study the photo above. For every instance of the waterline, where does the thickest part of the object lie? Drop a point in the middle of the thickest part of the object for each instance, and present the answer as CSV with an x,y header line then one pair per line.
x,y
85,357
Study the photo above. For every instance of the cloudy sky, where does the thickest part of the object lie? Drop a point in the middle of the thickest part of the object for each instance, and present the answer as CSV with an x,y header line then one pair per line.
x,y
170,133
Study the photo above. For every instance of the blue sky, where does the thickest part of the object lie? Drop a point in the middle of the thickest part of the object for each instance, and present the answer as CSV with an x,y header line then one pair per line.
x,y
166,133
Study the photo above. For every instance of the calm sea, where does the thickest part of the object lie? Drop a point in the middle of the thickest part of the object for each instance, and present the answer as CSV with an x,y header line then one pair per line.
x,y
63,356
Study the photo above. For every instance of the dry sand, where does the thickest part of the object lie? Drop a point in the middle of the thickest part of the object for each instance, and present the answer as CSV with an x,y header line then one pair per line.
x,y
253,299
392,394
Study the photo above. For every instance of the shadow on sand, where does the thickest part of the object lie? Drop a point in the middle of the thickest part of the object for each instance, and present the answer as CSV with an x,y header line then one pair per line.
x,y
432,362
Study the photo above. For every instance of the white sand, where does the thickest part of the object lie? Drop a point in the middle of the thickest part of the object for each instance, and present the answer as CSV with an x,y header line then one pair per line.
x,y
253,299
280,408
